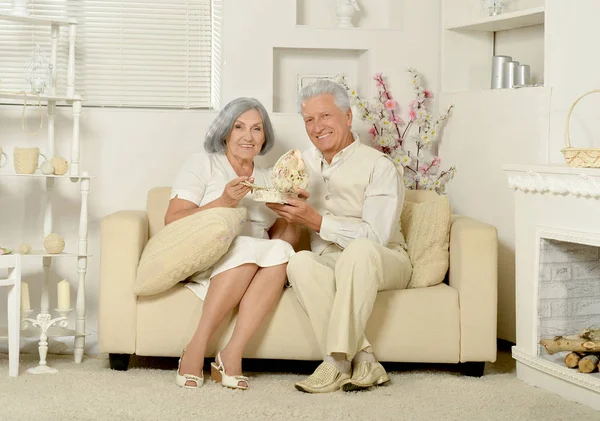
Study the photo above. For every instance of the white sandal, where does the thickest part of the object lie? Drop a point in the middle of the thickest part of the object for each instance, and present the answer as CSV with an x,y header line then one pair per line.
x,y
181,380
218,374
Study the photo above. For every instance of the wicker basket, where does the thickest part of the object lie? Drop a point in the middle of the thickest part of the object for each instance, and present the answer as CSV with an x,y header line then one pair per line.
x,y
580,157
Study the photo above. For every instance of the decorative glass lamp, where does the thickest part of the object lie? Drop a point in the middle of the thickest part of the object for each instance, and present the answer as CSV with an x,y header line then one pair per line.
x,y
494,7
38,71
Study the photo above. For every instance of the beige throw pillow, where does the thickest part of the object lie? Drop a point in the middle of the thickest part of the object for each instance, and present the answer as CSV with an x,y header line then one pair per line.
x,y
426,226
186,246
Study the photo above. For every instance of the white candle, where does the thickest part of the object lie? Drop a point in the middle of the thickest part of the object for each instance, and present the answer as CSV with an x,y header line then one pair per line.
x,y
25,303
64,295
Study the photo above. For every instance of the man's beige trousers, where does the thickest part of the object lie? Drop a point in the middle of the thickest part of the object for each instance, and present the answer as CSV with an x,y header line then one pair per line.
x,y
338,289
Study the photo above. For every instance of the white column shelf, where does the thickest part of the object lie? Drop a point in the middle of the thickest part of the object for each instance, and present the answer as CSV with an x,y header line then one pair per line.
x,y
49,321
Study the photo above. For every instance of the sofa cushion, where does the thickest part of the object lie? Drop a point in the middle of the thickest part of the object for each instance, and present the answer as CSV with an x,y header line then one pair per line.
x,y
157,204
426,226
166,322
186,246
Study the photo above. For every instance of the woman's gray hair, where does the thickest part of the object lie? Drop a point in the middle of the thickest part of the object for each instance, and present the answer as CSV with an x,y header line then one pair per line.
x,y
325,87
218,131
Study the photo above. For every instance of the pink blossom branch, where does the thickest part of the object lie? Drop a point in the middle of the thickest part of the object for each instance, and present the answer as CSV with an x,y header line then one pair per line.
x,y
444,173
406,129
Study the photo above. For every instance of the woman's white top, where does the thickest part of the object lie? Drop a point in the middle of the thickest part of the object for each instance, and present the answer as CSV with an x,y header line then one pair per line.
x,y
202,180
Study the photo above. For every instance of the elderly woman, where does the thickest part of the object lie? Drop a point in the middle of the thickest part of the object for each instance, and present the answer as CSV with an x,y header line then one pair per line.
x,y
253,272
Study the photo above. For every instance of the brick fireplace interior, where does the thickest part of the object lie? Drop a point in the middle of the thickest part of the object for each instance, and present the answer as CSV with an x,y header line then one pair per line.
x,y
568,290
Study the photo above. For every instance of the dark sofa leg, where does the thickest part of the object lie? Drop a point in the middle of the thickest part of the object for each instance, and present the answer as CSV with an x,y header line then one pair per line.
x,y
119,362
473,368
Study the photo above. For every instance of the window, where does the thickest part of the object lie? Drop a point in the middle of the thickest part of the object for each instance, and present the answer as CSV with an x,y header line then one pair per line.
x,y
135,53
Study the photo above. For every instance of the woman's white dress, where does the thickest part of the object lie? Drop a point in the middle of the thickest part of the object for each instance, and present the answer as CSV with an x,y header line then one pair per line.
x,y
202,180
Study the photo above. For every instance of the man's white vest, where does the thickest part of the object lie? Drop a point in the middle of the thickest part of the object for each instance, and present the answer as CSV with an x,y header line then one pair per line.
x,y
342,195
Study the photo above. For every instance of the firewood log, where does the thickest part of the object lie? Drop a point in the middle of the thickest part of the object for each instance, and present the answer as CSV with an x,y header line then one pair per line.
x,y
572,359
588,363
561,343
589,334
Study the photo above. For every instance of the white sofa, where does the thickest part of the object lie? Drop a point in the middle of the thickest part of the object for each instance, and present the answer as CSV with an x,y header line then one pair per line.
x,y
453,322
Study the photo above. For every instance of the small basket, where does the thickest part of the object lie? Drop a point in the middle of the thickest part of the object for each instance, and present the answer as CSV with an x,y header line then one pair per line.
x,y
580,157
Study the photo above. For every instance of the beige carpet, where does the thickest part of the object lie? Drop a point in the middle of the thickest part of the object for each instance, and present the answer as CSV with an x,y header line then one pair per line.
x,y
91,391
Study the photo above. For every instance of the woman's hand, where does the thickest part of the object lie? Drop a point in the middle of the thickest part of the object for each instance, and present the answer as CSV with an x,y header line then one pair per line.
x,y
234,191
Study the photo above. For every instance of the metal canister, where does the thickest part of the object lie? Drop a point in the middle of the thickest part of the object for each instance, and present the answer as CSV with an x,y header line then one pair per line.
x,y
498,70
510,74
523,75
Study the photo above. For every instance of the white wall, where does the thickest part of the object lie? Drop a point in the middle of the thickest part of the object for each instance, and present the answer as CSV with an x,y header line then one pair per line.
x,y
130,151
572,69
487,130
499,128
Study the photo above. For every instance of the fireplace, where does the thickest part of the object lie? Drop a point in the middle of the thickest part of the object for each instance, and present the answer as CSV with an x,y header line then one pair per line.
x,y
568,287
557,252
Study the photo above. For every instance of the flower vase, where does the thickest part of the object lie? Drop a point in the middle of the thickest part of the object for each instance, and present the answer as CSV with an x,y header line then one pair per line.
x,y
345,10
19,8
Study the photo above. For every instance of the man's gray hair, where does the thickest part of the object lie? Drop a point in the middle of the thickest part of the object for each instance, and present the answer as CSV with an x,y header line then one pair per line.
x,y
219,129
325,87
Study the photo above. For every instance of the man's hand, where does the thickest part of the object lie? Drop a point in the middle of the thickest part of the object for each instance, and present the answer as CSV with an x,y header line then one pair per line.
x,y
297,211
303,194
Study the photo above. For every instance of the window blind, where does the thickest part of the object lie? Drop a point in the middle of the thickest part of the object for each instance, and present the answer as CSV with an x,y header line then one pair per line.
x,y
135,53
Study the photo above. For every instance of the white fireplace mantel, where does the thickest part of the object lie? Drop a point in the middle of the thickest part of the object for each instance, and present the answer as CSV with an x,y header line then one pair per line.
x,y
555,206
560,180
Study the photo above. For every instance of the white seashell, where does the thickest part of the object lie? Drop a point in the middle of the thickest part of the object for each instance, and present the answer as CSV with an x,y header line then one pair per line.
x,y
47,168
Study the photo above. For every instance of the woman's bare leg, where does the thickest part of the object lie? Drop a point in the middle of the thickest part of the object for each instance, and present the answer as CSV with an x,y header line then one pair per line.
x,y
260,297
224,293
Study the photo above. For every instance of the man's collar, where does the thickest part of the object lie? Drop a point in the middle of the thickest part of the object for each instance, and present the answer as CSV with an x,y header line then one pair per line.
x,y
347,151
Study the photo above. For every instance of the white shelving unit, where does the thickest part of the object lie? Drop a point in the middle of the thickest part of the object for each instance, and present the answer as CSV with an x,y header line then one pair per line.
x,y
44,324
504,21
33,20
470,40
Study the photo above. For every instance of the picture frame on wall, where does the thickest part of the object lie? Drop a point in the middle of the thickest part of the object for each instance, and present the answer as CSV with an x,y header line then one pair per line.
x,y
303,79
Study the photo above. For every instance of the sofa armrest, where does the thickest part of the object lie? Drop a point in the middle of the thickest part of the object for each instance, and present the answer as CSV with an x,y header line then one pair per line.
x,y
474,274
123,236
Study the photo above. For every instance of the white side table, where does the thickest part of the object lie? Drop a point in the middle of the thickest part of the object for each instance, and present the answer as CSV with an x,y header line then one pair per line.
x,y
12,262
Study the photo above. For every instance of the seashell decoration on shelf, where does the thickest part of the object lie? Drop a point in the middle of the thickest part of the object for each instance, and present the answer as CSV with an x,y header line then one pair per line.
x,y
60,164
287,175
47,168
5,250
25,248
54,243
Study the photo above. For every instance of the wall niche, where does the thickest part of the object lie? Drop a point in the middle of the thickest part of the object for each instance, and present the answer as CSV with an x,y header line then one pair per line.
x,y
296,67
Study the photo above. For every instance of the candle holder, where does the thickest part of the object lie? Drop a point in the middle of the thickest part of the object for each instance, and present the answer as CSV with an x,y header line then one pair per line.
x,y
45,321
24,315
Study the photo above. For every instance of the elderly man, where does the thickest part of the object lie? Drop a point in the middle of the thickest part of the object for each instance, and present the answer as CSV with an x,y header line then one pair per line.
x,y
352,212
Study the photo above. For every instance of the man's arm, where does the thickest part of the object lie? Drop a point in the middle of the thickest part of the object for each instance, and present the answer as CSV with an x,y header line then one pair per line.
x,y
383,198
